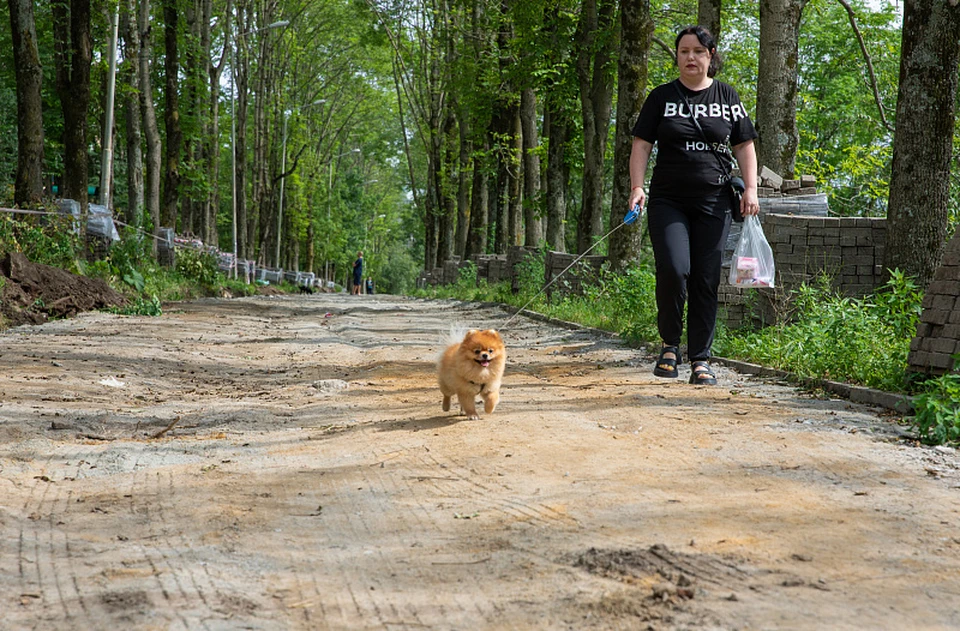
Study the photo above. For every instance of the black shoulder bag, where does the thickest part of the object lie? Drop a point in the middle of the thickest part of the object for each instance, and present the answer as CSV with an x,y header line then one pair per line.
x,y
735,184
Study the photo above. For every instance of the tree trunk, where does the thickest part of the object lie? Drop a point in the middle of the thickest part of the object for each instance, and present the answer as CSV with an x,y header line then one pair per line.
x,y
557,130
210,234
171,116
28,189
918,211
624,248
207,145
514,178
463,185
479,205
708,15
130,33
73,54
597,39
532,212
446,237
241,85
777,85
150,127
431,211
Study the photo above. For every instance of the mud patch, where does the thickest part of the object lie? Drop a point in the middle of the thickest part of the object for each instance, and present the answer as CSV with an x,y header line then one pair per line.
x,y
659,563
669,589
127,602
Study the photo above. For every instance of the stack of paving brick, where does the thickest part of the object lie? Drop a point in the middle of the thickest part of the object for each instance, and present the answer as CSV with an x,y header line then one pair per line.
x,y
450,271
772,185
937,342
516,255
847,249
497,269
587,270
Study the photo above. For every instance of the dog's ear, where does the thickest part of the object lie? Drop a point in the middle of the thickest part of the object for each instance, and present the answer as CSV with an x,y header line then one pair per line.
x,y
493,332
471,332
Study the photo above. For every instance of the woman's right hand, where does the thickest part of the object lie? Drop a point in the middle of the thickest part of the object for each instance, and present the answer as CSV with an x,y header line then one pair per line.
x,y
638,197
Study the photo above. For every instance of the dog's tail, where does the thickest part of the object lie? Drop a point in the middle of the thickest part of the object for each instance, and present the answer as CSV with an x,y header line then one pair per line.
x,y
454,335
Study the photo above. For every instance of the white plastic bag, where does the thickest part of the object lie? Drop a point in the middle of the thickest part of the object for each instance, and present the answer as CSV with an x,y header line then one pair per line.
x,y
752,262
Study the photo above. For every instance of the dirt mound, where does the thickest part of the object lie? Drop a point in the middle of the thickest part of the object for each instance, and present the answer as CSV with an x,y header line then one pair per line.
x,y
33,293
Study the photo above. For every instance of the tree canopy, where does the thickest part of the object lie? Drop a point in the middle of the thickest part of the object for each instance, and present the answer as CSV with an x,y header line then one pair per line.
x,y
416,131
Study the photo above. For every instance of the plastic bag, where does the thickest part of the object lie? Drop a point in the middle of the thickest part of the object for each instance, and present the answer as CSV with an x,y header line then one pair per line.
x,y
752,262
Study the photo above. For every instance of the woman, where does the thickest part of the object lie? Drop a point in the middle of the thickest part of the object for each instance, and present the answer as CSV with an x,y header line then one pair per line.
x,y
689,212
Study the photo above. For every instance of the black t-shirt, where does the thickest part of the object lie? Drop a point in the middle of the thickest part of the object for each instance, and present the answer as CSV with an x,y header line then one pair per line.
x,y
686,166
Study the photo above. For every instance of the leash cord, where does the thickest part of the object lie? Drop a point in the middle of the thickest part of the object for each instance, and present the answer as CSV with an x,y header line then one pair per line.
x,y
566,269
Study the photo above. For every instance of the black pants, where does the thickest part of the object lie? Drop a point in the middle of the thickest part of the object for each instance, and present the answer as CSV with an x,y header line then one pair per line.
x,y
688,238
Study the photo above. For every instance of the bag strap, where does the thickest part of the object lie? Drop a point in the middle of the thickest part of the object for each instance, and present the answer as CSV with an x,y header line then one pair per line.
x,y
723,164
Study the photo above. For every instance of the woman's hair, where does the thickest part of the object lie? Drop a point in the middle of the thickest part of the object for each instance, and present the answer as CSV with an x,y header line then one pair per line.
x,y
708,41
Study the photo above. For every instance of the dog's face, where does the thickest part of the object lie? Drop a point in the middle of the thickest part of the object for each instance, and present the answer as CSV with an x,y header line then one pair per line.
x,y
482,347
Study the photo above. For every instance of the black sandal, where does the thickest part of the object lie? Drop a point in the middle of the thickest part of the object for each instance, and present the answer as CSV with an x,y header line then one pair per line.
x,y
667,366
704,376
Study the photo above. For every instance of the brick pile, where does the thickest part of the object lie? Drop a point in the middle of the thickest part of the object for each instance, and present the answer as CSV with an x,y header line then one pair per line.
x,y
771,184
937,342
586,271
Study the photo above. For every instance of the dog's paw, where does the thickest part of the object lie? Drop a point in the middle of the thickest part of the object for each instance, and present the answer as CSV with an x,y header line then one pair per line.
x,y
473,417
446,404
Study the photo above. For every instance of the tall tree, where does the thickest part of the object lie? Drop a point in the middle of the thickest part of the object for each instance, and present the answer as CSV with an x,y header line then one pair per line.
x,y
73,54
923,143
171,114
210,234
532,220
151,130
130,71
597,39
559,111
637,30
777,84
28,188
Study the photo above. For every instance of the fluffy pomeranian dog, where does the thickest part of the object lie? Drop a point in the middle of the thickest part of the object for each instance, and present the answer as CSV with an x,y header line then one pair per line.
x,y
470,367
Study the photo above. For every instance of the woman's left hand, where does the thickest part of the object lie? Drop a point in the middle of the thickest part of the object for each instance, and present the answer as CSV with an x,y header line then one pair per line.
x,y
749,203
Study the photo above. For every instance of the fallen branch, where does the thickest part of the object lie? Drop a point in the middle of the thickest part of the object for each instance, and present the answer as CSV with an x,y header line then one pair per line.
x,y
167,428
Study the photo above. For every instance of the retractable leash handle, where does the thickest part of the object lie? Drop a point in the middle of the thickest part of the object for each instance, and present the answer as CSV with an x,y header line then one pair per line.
x,y
632,215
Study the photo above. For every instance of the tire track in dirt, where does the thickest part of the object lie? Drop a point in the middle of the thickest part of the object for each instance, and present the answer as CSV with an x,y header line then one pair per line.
x,y
427,521
44,548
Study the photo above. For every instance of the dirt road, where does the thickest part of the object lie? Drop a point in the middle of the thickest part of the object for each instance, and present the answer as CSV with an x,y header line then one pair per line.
x,y
283,463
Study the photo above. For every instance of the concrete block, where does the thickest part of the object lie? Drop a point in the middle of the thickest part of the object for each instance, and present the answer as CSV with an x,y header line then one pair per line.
x,y
789,185
768,177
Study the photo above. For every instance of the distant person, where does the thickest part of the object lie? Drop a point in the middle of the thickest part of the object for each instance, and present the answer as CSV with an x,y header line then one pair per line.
x,y
370,286
358,274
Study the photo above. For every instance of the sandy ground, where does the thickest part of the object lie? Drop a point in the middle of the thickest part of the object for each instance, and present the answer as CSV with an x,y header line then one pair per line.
x,y
283,462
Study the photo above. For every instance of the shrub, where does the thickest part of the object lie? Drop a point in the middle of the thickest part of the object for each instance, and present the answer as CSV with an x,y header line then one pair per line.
x,y
835,337
937,410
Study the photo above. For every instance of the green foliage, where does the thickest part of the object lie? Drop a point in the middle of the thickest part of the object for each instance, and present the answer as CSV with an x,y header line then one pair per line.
x,y
635,305
198,266
145,306
937,410
835,337
398,270
843,139
48,240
